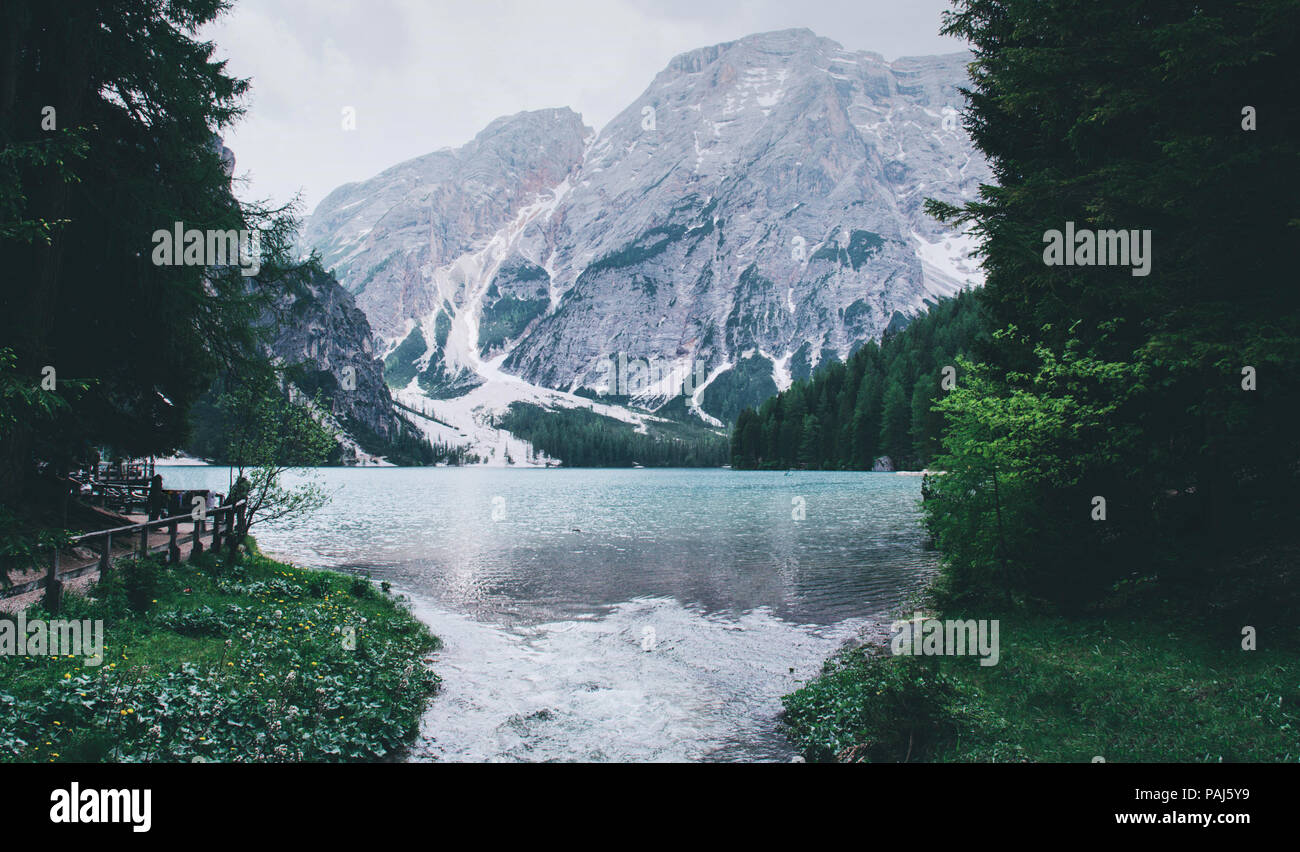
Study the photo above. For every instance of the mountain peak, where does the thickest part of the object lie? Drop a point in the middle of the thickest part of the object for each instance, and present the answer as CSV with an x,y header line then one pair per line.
x,y
758,209
776,42
544,120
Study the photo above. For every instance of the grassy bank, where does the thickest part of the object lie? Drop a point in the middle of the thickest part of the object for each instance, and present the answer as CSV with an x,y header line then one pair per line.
x,y
243,659
1125,688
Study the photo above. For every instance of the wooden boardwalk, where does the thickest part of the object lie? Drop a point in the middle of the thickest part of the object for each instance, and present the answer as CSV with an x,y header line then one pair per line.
x,y
93,554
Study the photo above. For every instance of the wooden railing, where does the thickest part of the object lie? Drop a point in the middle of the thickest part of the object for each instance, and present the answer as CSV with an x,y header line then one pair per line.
x,y
118,495
138,535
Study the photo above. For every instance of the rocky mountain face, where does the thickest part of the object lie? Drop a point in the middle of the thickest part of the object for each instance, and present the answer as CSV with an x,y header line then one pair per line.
x,y
757,210
326,343
315,332
416,245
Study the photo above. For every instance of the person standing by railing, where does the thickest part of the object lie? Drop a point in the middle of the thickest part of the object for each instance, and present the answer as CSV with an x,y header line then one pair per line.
x,y
156,502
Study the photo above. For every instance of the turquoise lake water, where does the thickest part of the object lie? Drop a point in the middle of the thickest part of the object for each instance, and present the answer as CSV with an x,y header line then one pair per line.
x,y
616,614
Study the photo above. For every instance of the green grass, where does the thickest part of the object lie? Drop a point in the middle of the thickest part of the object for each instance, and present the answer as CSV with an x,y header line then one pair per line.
x,y
1123,688
243,659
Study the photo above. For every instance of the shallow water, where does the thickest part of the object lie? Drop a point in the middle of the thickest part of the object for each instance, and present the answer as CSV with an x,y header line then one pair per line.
x,y
616,614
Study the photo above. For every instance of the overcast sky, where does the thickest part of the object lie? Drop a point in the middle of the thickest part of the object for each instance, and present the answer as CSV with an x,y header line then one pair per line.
x,y
426,74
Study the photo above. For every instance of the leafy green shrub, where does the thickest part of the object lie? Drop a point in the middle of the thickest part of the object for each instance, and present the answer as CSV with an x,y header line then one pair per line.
x,y
870,707
140,582
231,569
1014,510
22,545
204,621
225,671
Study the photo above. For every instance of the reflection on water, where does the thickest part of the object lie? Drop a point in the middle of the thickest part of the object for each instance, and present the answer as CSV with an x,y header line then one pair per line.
x,y
616,614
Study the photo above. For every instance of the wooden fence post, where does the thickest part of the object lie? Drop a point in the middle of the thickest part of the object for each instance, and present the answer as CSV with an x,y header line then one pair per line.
x,y
53,585
144,541
106,557
233,528
173,547
197,538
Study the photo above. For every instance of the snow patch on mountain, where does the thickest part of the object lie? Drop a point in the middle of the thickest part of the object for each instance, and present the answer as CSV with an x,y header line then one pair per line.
x,y
763,195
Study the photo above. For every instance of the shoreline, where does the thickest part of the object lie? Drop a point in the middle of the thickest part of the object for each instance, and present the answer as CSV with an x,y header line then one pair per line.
x,y
226,660
1068,689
